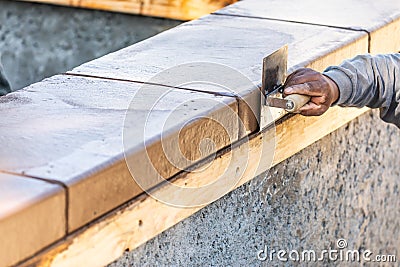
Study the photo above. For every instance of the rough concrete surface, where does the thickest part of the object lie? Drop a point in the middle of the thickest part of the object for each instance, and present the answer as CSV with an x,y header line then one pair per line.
x,y
38,41
344,186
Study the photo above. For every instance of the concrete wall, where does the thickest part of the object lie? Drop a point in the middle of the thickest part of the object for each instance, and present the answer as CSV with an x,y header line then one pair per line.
x,y
38,41
344,186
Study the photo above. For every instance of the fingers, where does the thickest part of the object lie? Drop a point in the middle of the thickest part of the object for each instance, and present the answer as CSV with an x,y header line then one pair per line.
x,y
310,88
319,101
312,109
301,76
307,82
311,83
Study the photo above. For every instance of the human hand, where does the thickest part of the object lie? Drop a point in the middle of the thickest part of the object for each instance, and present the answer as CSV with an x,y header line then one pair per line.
x,y
322,90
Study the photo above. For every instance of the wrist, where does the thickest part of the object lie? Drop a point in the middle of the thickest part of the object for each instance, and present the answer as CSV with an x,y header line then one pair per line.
x,y
333,88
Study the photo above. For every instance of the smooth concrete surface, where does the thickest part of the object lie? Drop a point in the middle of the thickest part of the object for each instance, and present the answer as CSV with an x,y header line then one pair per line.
x,y
380,18
344,186
75,130
38,41
221,40
32,216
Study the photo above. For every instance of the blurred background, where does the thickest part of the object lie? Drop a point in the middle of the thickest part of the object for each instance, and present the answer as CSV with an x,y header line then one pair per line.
x,y
38,40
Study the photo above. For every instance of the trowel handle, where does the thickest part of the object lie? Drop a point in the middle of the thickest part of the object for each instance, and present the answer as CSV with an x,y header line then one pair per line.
x,y
297,102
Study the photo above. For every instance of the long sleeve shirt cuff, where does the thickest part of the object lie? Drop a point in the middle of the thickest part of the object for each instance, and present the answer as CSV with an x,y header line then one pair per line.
x,y
342,81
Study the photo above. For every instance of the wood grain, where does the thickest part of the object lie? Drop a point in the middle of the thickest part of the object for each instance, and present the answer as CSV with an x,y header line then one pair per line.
x,y
391,34
173,9
131,226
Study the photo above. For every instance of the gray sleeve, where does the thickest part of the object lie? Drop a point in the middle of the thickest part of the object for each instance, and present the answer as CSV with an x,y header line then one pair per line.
x,y
4,85
372,81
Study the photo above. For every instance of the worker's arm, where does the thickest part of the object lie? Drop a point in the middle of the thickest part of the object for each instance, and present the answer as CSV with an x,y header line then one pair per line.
x,y
4,85
372,81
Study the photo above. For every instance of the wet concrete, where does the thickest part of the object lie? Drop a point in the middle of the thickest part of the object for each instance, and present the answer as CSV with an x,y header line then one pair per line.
x,y
346,185
38,41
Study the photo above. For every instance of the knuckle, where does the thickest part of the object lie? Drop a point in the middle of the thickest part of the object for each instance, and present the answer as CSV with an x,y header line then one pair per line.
x,y
291,80
308,70
290,77
317,87
294,74
296,80
313,72
301,70
307,86
323,83
310,87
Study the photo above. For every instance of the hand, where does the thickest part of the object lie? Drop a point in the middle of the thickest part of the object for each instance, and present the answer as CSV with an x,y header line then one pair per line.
x,y
321,88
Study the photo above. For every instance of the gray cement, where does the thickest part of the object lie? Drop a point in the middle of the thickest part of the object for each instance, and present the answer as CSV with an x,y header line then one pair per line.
x,y
344,186
38,41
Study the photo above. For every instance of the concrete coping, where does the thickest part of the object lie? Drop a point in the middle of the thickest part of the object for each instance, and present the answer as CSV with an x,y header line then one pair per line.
x,y
179,106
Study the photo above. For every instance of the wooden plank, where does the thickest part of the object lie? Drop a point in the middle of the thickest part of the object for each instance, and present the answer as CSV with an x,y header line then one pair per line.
x,y
133,225
234,42
380,18
32,216
127,6
390,33
71,129
173,9
182,9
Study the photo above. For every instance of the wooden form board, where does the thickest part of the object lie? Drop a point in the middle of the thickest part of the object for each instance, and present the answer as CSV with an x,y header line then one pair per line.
x,y
175,9
133,225
381,19
32,216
